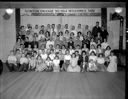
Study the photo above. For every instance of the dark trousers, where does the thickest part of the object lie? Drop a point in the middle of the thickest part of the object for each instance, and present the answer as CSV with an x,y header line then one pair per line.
x,y
61,63
12,67
23,67
1,67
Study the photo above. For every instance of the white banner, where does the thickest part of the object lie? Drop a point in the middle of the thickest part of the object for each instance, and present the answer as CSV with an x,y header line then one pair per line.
x,y
60,12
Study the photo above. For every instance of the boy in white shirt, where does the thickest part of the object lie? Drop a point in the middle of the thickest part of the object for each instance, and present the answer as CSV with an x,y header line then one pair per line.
x,y
12,62
24,63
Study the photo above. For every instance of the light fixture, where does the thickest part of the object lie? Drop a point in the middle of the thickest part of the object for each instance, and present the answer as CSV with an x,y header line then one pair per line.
x,y
9,11
118,9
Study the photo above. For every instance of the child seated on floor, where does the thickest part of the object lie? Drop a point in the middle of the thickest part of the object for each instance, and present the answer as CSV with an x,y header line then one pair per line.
x,y
32,63
40,65
56,63
67,58
49,64
73,67
12,62
92,62
91,66
23,63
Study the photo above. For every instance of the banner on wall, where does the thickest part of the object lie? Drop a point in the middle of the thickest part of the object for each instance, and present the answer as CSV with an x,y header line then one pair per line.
x,y
61,12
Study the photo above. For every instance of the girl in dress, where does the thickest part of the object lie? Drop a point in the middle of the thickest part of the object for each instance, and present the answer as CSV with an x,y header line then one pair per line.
x,y
73,67
56,62
112,67
49,64
92,62
40,64
67,58
100,63
91,66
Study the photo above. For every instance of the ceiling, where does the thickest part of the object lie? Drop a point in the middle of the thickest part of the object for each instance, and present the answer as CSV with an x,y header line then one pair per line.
x,y
61,4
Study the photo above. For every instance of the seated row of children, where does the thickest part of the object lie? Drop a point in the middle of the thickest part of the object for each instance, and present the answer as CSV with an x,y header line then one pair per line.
x,y
63,59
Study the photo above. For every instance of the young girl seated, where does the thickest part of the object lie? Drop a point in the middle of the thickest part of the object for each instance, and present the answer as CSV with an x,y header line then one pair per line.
x,y
73,67
56,62
112,67
49,64
67,58
92,66
92,62
100,63
40,65
24,62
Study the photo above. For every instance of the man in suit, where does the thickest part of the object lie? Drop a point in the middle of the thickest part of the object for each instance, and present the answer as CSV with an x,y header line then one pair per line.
x,y
96,29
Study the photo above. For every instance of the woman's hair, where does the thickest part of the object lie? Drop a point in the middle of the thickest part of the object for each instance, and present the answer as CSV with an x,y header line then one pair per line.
x,y
93,53
73,54
108,47
100,54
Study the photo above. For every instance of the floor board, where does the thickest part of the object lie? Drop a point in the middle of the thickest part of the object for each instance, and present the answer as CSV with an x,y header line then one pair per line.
x,y
63,85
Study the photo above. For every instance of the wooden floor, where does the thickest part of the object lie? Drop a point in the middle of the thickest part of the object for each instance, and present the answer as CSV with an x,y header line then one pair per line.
x,y
63,85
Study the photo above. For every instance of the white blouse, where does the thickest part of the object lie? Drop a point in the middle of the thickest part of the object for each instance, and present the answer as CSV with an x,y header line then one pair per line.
x,y
100,60
67,57
44,56
56,62
94,58
52,56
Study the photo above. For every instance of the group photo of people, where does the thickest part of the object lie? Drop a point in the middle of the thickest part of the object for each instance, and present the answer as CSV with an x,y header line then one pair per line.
x,y
57,48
